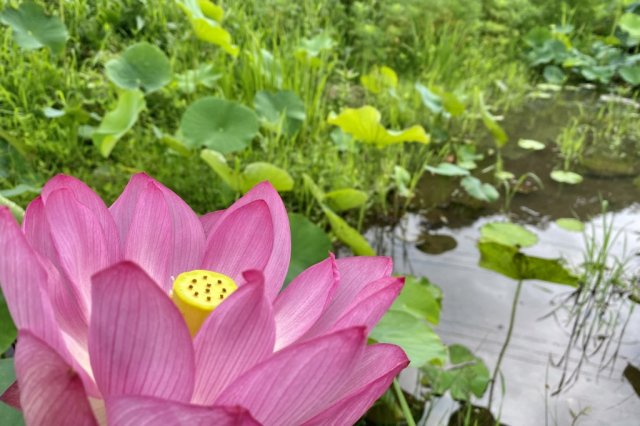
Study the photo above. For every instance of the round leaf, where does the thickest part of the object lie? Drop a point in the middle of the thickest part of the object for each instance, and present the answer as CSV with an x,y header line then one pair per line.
x,y
566,177
32,29
509,234
218,124
570,224
630,74
345,199
531,144
274,106
141,65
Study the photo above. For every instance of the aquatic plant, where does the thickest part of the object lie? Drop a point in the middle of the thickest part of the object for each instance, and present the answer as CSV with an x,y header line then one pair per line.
x,y
144,312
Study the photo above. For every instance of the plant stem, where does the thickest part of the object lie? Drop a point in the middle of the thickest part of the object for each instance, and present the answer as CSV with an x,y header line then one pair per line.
x,y
403,403
503,350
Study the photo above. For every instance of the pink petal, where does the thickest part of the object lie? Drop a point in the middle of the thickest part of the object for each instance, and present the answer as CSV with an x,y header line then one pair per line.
x,y
23,280
51,393
242,240
370,306
11,396
355,274
300,305
280,253
138,341
83,245
146,411
209,220
187,245
238,334
149,240
85,195
299,381
373,376
69,307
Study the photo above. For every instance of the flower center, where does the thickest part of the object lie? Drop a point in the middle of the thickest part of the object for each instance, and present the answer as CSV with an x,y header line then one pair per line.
x,y
197,293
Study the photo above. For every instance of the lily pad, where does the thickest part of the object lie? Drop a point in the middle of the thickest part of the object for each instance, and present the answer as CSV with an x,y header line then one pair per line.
x,y
480,191
284,105
346,199
141,65
364,125
33,29
507,233
348,235
510,262
563,176
205,18
429,99
447,169
204,75
570,224
531,144
119,121
630,74
421,344
218,124
630,22
309,245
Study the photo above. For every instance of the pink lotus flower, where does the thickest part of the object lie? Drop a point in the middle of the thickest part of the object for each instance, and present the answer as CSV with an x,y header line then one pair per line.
x,y
144,314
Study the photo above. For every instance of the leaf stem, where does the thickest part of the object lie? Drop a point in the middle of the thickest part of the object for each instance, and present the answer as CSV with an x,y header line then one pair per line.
x,y
403,403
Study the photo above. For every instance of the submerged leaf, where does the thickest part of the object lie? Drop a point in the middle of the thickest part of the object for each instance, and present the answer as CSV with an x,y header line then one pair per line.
x,y
33,29
221,125
364,125
348,235
309,245
118,121
141,65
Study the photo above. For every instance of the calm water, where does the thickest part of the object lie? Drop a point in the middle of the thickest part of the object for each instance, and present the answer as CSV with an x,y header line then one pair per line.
x,y
439,239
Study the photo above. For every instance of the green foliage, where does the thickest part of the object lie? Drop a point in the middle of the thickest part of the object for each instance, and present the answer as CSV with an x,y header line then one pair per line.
x,y
141,65
420,298
348,235
380,80
9,415
205,18
509,234
203,75
309,245
218,124
570,224
282,109
16,210
33,29
479,190
8,332
564,176
119,121
447,169
345,199
531,144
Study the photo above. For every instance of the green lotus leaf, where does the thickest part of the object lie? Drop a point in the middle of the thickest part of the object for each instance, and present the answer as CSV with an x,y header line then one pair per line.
x,y
284,105
33,29
260,171
218,124
447,169
118,121
478,190
531,144
507,233
140,65
346,199
348,235
309,245
364,125
570,224
380,79
563,176
205,18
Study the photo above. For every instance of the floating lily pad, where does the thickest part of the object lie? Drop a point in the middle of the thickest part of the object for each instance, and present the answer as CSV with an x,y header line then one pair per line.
x,y
480,191
33,29
309,245
507,233
447,169
284,105
531,144
218,124
563,176
570,224
346,199
364,125
119,121
142,65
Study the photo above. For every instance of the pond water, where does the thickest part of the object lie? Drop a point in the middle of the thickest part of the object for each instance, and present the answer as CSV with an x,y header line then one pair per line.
x,y
438,240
